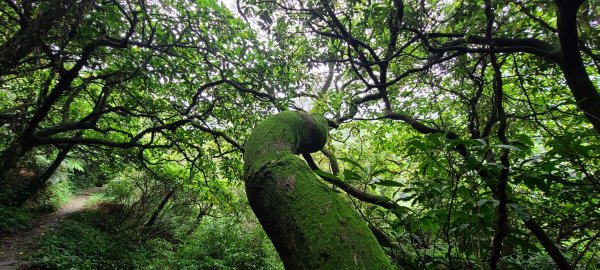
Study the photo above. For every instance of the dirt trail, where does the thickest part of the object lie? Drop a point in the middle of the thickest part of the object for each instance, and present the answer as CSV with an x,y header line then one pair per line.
x,y
15,247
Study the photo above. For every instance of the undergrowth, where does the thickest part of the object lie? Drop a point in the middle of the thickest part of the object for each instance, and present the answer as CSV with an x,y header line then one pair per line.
x,y
13,219
218,244
96,239
53,197
86,240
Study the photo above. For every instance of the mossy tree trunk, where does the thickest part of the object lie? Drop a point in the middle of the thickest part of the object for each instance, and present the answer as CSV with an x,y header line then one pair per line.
x,y
310,225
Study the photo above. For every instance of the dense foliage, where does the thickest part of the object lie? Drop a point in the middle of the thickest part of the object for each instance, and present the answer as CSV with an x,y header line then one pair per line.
x,y
219,244
464,132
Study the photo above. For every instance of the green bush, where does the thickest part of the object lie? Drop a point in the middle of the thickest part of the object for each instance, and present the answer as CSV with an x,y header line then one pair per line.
x,y
53,197
533,261
13,219
97,198
60,194
219,244
90,240
87,240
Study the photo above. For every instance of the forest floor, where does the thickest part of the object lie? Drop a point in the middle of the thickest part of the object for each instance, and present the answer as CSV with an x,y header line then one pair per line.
x,y
14,248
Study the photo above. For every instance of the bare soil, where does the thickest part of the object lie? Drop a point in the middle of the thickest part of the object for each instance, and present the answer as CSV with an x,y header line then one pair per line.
x,y
14,248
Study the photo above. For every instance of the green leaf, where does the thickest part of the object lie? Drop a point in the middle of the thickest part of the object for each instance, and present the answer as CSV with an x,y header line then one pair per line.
x,y
472,162
389,183
506,146
482,141
351,175
482,202
353,163
543,185
326,175
519,211
530,182
378,172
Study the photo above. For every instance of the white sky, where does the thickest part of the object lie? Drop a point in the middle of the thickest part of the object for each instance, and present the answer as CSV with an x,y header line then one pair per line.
x,y
230,4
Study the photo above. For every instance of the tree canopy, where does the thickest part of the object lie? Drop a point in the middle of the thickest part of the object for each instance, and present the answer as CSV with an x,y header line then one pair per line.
x,y
464,133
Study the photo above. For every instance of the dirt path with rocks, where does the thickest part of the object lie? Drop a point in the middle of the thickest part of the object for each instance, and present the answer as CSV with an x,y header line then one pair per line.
x,y
15,247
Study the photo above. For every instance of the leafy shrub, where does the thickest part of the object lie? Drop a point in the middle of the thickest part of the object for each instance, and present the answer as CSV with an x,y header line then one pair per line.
x,y
533,262
219,244
13,219
97,198
92,239
60,194
61,186
138,193
53,197
87,240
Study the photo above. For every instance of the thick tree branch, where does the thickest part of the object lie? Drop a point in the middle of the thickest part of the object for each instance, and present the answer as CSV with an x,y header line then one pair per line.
x,y
502,210
572,65
31,35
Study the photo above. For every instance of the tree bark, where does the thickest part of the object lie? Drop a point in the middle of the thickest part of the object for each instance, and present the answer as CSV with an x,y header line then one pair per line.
x,y
571,64
30,37
9,158
27,140
20,196
160,207
201,214
502,209
553,251
310,225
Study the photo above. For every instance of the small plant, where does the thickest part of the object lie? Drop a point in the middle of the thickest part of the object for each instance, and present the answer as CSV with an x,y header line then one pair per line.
x,y
535,261
13,219
53,197
220,244
87,240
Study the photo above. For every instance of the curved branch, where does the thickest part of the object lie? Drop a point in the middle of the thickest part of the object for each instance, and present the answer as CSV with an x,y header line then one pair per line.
x,y
379,200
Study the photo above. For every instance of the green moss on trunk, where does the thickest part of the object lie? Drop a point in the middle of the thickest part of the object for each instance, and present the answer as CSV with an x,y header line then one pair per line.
x,y
310,225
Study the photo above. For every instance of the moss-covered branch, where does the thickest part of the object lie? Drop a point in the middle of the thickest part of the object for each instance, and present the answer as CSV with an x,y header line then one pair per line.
x,y
310,225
